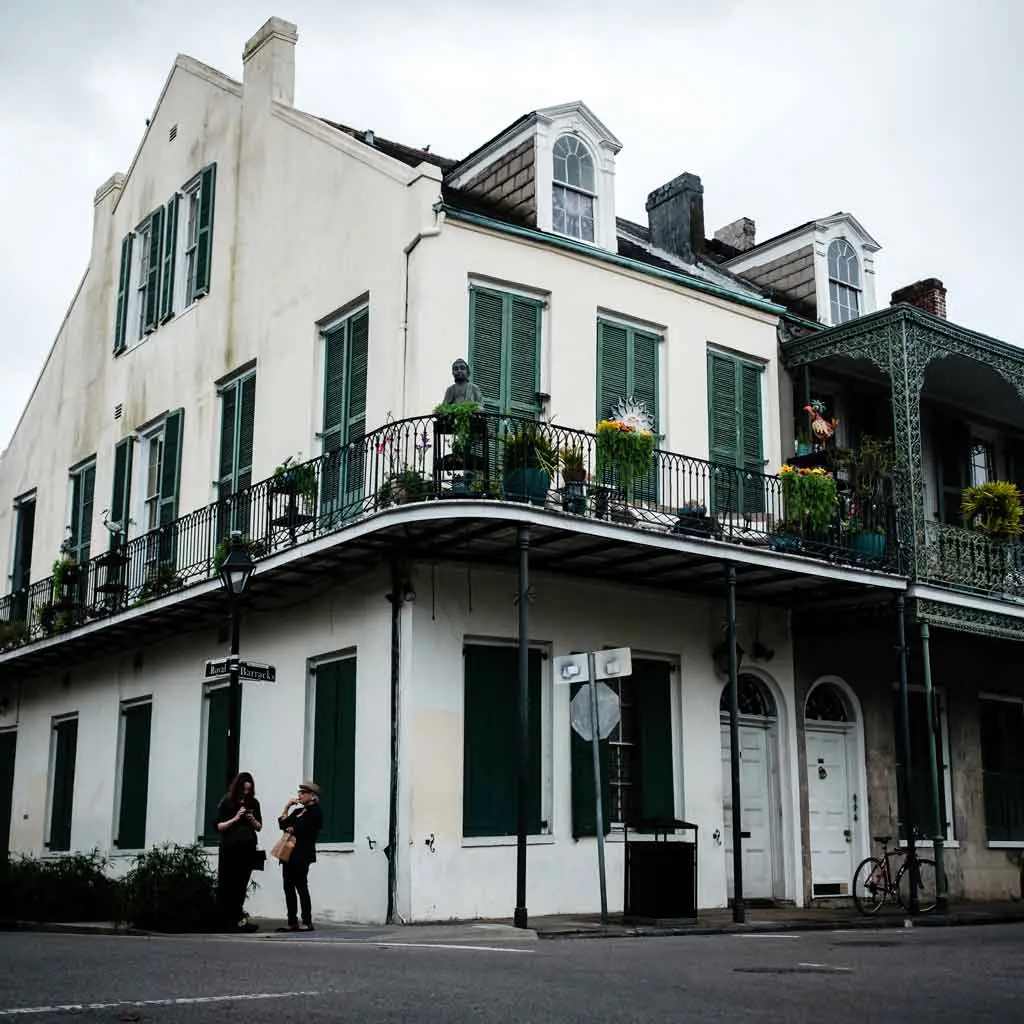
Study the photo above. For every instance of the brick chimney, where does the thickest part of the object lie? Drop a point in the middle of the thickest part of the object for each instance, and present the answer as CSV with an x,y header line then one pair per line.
x,y
268,63
738,235
675,214
929,295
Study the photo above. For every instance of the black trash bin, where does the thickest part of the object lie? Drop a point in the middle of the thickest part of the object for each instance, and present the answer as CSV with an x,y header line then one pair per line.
x,y
661,869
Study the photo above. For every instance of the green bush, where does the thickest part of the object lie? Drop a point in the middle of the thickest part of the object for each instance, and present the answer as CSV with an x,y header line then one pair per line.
x,y
71,887
171,888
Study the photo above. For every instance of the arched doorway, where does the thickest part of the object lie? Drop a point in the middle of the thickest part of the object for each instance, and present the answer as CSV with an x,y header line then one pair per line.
x,y
761,810
833,782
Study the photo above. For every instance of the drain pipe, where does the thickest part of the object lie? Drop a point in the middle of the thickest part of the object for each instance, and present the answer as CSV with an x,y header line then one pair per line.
x,y
427,233
401,592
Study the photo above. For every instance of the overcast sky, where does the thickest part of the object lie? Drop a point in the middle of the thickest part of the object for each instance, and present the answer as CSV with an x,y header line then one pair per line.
x,y
905,113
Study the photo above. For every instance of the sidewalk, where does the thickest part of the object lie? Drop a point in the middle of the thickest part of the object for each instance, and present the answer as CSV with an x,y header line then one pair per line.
x,y
576,926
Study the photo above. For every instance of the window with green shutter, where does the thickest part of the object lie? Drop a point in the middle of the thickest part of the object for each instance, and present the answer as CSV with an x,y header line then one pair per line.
x,y
150,246
170,483
123,294
237,421
21,568
627,369
1002,762
199,240
636,759
922,799
735,434
504,350
62,784
8,749
491,741
136,719
215,784
120,498
346,356
334,746
169,259
83,486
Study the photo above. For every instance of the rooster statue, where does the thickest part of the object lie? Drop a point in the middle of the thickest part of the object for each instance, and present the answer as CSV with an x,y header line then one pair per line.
x,y
821,428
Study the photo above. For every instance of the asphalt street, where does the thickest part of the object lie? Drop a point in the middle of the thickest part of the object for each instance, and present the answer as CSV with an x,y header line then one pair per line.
x,y
937,974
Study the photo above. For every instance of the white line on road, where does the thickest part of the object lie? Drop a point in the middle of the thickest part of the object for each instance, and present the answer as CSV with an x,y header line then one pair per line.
x,y
765,935
24,1011
825,967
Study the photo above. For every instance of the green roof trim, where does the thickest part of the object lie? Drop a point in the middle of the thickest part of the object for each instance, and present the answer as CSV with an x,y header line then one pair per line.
x,y
567,244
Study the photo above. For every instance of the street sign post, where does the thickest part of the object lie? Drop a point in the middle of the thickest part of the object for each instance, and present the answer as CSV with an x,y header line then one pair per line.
x,y
254,671
589,668
218,667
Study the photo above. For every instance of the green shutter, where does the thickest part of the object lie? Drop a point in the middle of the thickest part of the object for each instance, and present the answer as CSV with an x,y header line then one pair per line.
x,y
8,748
217,780
644,383
723,442
752,445
523,355
922,802
228,417
584,817
612,374
651,689
21,569
167,266
334,415
65,736
170,483
204,231
246,427
152,311
491,741
334,747
355,402
120,499
83,485
131,822
486,318
123,293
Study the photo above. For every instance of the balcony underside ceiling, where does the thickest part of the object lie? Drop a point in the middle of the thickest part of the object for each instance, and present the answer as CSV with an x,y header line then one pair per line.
x,y
474,533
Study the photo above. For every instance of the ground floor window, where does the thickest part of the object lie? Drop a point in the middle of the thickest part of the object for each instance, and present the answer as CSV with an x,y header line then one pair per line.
x,y
491,738
133,797
334,746
1002,762
215,772
8,746
63,754
637,782
922,798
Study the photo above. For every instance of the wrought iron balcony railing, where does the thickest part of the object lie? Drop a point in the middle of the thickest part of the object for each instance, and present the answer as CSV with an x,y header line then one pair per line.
x,y
969,560
420,460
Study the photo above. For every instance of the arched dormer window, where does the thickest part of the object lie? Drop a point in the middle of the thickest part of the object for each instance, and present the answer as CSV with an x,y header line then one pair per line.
x,y
573,198
843,281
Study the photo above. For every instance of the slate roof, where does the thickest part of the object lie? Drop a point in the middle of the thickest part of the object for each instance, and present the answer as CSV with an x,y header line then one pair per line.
x,y
409,155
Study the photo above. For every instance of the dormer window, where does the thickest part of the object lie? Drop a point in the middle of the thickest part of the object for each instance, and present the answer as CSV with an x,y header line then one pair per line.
x,y
843,281
573,189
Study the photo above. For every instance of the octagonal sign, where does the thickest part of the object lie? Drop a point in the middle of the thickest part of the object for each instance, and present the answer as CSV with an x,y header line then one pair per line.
x,y
607,712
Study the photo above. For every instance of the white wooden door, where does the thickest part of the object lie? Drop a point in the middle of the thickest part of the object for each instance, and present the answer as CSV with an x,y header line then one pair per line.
x,y
830,809
756,822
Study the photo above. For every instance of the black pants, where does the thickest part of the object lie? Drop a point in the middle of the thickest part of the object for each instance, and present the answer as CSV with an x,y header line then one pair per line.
x,y
234,868
296,883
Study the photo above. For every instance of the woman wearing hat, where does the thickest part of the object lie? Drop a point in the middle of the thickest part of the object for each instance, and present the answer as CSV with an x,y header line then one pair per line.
x,y
302,818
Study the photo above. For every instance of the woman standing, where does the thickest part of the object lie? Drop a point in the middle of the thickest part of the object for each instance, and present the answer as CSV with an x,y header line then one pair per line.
x,y
239,818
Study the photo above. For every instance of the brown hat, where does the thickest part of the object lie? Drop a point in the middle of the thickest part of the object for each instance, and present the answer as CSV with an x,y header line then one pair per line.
x,y
309,787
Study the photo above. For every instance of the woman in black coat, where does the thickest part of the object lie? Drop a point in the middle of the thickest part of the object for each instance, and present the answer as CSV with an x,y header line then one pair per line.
x,y
239,818
302,818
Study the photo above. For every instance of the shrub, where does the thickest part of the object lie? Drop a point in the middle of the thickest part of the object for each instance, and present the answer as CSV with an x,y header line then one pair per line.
x,y
171,888
993,508
71,887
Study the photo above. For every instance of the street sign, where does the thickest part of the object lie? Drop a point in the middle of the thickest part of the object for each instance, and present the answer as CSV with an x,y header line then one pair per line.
x,y
613,664
218,667
581,717
571,668
257,671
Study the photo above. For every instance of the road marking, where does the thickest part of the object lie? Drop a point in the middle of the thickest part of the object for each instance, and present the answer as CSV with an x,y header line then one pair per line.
x,y
25,1011
439,945
825,967
765,935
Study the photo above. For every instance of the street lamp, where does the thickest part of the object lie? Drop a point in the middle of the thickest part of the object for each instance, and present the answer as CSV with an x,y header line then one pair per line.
x,y
235,572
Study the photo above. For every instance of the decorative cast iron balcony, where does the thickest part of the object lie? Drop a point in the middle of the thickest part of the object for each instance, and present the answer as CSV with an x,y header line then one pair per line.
x,y
972,561
429,459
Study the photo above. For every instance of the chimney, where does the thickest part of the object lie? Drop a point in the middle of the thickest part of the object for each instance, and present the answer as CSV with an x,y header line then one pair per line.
x,y
738,235
929,295
268,62
675,213
103,206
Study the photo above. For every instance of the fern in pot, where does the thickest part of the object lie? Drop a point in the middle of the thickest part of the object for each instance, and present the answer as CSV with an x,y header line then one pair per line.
x,y
530,460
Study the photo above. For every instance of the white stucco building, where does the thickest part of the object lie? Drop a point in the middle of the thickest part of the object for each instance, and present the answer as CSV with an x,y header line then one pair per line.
x,y
267,285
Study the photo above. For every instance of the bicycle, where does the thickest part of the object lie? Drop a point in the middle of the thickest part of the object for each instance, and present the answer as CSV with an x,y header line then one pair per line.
x,y
874,884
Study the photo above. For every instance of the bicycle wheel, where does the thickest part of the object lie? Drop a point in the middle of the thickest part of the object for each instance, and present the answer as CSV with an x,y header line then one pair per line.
x,y
927,885
869,892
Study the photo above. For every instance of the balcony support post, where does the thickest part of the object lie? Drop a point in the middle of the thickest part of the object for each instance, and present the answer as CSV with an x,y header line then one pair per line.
x,y
904,745
938,805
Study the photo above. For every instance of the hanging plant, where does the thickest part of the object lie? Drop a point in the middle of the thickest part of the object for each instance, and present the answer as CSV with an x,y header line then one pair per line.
x,y
809,499
993,508
625,444
293,476
459,416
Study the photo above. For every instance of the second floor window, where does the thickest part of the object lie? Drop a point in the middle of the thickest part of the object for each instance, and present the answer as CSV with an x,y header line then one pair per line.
x,y
83,485
573,195
238,416
843,281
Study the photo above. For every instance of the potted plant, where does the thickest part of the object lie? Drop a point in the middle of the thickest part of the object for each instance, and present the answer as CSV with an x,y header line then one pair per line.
x,y
403,487
810,502
530,462
993,509
159,581
65,574
692,518
574,479
625,445
293,476
13,634
870,466
457,419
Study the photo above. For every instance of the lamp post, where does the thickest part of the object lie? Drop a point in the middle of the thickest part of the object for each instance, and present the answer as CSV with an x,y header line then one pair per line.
x,y
235,572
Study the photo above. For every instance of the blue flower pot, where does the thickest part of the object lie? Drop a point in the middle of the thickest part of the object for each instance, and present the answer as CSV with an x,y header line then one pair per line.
x,y
869,545
530,485
790,542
